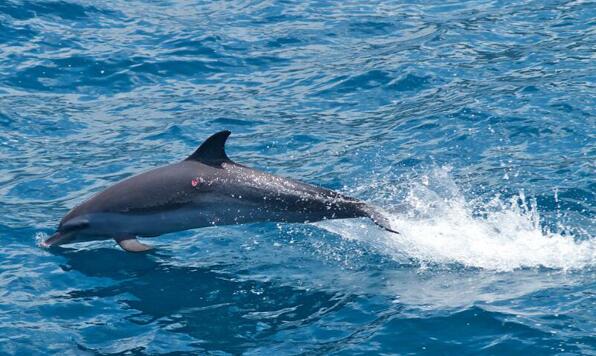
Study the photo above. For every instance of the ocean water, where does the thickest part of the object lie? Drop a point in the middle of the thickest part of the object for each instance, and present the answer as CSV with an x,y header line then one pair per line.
x,y
471,124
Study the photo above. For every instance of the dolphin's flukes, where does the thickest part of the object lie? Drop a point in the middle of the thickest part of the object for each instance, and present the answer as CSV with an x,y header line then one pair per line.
x,y
379,219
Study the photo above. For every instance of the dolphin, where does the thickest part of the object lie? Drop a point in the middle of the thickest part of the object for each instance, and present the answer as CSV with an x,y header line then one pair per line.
x,y
205,189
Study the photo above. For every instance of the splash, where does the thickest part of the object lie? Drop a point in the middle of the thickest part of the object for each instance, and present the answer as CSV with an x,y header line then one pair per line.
x,y
438,226
40,237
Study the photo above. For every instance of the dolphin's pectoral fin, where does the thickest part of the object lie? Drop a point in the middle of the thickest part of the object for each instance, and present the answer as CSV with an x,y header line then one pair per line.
x,y
131,244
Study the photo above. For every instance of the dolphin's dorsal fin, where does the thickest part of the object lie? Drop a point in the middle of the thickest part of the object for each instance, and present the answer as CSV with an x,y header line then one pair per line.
x,y
212,151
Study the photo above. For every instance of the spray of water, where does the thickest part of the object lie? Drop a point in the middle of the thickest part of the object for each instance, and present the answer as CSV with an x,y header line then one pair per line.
x,y
438,226
40,237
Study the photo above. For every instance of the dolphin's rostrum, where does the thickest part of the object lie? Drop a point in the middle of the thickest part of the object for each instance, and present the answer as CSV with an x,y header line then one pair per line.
x,y
205,189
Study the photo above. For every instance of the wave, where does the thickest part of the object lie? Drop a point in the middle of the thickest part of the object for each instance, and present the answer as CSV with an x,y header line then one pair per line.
x,y
439,227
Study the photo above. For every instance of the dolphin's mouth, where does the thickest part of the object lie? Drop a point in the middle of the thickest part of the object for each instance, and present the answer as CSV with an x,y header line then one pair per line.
x,y
57,239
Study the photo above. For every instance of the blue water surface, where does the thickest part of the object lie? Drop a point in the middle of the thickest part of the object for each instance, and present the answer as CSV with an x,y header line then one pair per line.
x,y
477,116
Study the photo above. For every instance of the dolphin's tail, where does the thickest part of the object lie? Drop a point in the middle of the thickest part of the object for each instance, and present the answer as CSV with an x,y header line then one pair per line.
x,y
378,218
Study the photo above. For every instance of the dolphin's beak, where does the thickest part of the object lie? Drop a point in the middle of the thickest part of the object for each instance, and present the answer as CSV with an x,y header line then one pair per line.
x,y
57,239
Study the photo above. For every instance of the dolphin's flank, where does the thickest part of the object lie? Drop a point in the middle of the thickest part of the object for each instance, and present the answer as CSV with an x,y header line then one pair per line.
x,y
205,189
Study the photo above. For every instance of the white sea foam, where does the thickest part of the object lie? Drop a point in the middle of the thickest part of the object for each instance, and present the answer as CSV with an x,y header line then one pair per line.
x,y
440,227
40,237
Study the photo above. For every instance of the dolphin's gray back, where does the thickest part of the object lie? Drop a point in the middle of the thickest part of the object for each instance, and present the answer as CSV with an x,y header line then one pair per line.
x,y
158,189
